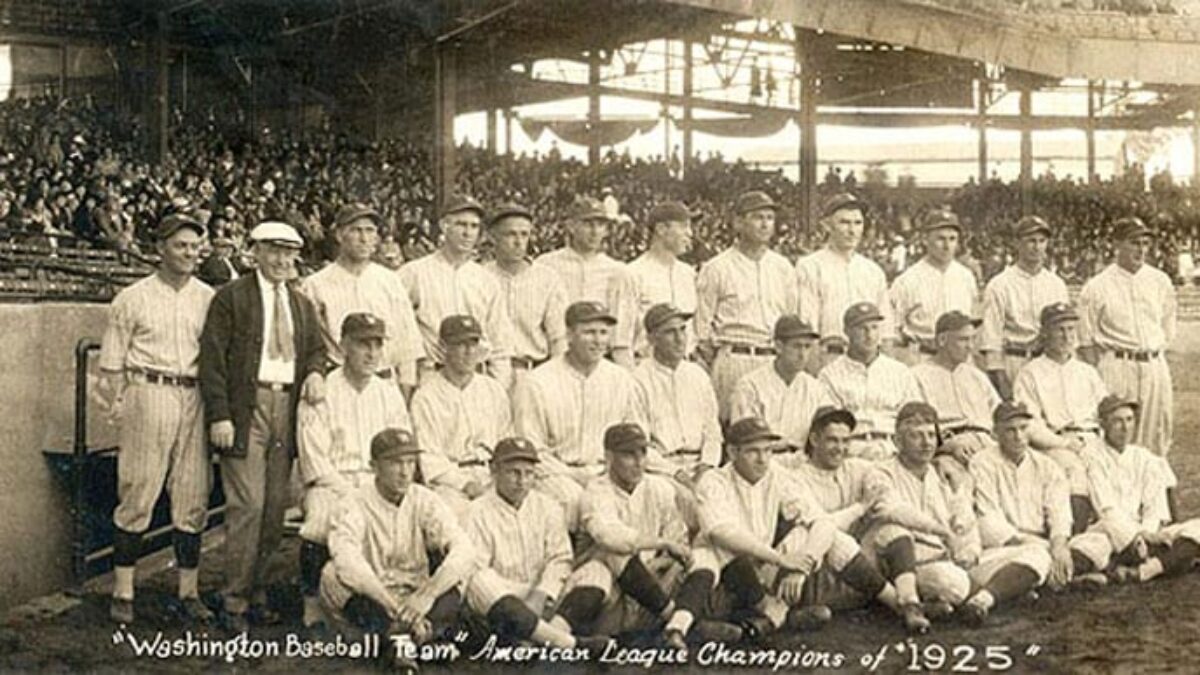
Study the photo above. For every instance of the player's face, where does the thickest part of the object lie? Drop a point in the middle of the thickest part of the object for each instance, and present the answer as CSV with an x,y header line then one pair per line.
x,y
627,467
794,353
864,338
757,227
460,231
589,341
958,344
830,446
393,476
1061,338
670,340
463,356
676,235
180,252
845,228
511,238
514,480
1031,250
1013,438
1119,426
358,240
588,234
1131,253
277,263
917,441
942,245
363,355
752,460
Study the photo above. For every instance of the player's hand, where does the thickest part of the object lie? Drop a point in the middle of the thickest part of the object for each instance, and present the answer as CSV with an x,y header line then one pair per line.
x,y
684,477
963,553
473,489
220,434
409,615
791,588
793,562
422,631
678,552
314,388
1139,546
1061,566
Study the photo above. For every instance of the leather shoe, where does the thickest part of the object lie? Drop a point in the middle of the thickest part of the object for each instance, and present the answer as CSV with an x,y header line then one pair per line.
x,y
120,610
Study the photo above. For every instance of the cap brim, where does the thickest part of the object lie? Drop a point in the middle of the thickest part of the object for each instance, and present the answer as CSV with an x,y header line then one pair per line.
x,y
606,318
523,457
811,335
365,336
844,416
509,213
760,436
282,243
641,447
849,204
183,225
460,339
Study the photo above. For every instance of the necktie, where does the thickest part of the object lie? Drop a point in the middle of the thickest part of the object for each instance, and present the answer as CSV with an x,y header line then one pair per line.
x,y
280,347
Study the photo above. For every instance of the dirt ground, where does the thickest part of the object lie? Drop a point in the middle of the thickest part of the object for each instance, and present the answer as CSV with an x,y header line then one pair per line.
x,y
1153,628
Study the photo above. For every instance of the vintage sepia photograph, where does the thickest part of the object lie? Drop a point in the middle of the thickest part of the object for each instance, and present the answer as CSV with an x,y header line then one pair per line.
x,y
686,336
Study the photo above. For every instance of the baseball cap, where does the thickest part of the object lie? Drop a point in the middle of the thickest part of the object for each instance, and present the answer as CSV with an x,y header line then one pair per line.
x,y
363,326
459,328
169,225
587,208
586,311
916,411
277,233
625,437
791,326
1008,411
860,313
749,430
1058,312
827,415
660,314
842,200
1112,403
1130,227
457,203
753,201
668,212
394,443
508,210
1032,225
514,449
941,219
954,320
352,212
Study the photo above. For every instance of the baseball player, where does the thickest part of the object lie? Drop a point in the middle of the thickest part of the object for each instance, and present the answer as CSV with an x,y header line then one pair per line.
x,y
459,415
658,275
782,392
837,276
1012,305
588,273
354,283
934,285
524,552
449,281
869,383
1128,487
919,523
1023,496
564,406
1128,321
763,537
148,361
534,298
379,576
961,393
640,544
741,293
334,438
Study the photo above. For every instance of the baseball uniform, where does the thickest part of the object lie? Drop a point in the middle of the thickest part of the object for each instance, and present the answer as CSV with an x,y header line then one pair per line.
x,y
536,303
830,283
964,399
680,408
655,281
922,293
597,278
1012,307
874,393
787,408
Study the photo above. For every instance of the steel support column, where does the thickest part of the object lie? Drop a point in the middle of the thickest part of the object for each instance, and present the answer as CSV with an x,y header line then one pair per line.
x,y
445,108
593,114
809,71
981,86
1026,103
1090,131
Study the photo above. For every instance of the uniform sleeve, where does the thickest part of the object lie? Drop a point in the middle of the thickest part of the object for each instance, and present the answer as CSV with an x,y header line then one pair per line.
x,y
559,556
900,301
707,295
1089,314
912,390
1057,505
347,537
117,335
397,410
316,439
430,427
498,322
622,297
311,290
554,321
442,533
714,441
673,527
808,292
717,506
994,527
1120,527
529,419
408,347
825,377
1154,511
890,324
798,504
602,521
991,332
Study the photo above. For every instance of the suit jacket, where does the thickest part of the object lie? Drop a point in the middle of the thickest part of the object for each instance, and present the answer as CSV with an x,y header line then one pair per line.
x,y
217,272
230,353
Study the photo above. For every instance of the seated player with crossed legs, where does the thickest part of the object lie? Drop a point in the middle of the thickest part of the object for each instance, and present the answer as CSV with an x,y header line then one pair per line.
x,y
762,567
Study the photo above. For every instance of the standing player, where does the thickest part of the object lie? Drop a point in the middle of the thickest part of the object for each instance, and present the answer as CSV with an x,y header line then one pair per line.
x,y
741,293
334,439
934,285
781,392
149,360
449,281
534,299
869,383
588,273
658,275
354,283
459,415
1128,321
837,276
1013,302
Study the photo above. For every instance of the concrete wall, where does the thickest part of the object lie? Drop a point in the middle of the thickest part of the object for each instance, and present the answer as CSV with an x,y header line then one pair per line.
x,y
37,400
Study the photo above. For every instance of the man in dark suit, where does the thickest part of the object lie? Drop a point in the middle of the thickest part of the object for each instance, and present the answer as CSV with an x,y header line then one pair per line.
x,y
260,351
220,267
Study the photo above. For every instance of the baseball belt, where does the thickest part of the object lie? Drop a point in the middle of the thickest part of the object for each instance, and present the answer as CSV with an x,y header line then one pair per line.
x,y
751,350
871,436
277,387
1076,429
1136,355
158,377
1024,352
527,362
963,429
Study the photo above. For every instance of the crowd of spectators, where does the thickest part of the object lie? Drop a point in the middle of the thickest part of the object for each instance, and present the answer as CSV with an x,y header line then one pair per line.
x,y
69,172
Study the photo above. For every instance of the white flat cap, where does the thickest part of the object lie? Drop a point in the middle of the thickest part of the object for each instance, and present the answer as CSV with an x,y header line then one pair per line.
x,y
275,232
